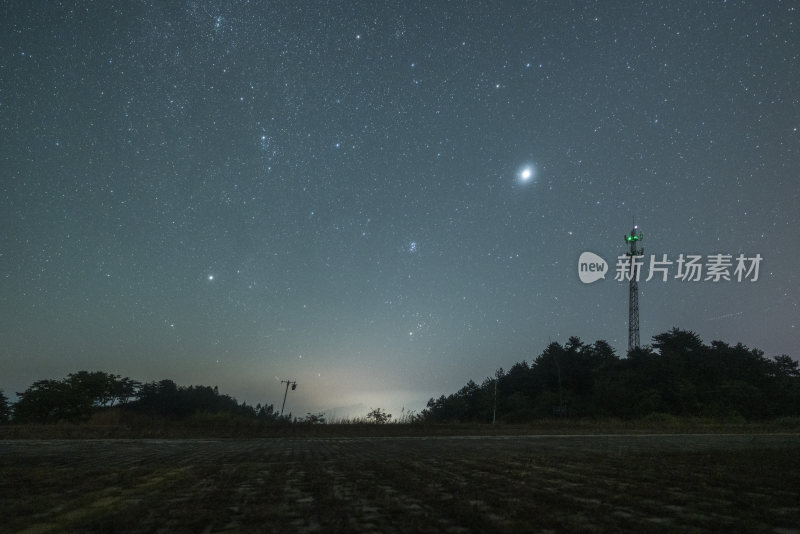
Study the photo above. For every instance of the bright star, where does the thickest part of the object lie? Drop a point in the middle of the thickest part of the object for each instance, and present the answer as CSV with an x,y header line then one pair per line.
x,y
527,174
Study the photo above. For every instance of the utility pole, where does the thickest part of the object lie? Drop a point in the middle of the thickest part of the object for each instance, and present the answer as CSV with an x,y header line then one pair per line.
x,y
294,386
494,413
633,294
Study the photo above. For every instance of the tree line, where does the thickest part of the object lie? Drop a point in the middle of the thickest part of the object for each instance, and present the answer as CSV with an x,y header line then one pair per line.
x,y
677,375
78,396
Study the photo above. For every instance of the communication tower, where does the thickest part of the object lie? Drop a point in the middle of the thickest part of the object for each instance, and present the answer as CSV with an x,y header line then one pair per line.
x,y
633,297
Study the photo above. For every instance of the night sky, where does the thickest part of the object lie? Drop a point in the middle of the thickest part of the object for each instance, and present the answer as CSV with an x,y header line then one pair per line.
x,y
383,201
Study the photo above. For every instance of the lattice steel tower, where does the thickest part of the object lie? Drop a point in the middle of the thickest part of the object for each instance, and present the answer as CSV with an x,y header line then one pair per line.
x,y
633,296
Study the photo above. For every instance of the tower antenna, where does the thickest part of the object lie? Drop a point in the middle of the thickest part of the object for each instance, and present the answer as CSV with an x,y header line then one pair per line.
x,y
633,296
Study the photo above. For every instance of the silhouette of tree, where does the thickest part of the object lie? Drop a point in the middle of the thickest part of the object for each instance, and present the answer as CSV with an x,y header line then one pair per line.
x,y
80,394
313,419
167,399
123,390
96,385
786,367
786,396
5,408
378,416
159,398
266,413
678,375
677,341
50,401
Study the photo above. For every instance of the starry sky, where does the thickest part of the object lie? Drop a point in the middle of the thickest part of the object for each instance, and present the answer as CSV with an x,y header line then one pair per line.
x,y
382,201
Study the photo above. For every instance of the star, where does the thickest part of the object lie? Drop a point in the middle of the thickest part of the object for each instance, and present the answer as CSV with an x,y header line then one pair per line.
x,y
527,174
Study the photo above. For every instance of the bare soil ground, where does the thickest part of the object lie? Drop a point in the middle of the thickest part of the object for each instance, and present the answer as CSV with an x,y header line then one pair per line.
x,y
566,483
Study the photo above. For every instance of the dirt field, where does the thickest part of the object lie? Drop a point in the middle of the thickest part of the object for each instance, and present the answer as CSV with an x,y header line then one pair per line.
x,y
632,483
